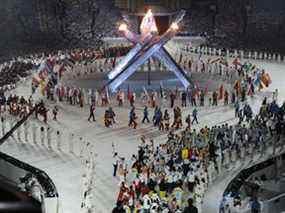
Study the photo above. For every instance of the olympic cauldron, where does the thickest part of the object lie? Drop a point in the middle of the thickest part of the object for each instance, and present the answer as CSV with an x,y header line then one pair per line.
x,y
147,44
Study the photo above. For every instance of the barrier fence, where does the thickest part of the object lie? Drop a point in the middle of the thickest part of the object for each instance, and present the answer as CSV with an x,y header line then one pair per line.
x,y
16,169
240,184
209,51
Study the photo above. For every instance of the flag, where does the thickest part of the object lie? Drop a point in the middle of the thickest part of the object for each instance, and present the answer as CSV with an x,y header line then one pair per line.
x,y
215,60
265,79
268,78
221,92
197,89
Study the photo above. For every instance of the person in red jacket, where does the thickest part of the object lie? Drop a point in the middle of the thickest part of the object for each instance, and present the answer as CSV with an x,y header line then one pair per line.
x,y
122,191
144,189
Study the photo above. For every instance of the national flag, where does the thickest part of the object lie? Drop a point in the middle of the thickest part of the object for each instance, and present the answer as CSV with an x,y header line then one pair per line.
x,y
268,78
215,60
265,79
221,92
248,67
197,88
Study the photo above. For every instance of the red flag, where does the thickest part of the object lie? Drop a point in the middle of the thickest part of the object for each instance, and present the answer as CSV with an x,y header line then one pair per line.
x,y
221,92
197,89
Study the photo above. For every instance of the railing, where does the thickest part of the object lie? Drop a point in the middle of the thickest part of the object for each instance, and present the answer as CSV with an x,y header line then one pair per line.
x,y
16,126
235,185
275,204
14,169
204,50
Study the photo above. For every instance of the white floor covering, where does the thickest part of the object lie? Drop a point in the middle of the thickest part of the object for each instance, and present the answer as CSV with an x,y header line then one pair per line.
x,y
66,169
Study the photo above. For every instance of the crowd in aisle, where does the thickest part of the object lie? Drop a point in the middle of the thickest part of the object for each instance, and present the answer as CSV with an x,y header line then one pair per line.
x,y
174,174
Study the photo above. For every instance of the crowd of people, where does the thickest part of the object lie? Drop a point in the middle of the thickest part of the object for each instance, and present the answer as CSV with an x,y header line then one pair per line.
x,y
175,174
14,70
248,80
20,107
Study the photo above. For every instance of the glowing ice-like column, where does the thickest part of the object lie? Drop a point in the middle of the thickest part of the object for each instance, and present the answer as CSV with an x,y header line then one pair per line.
x,y
140,59
170,63
131,69
124,62
147,44
148,28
